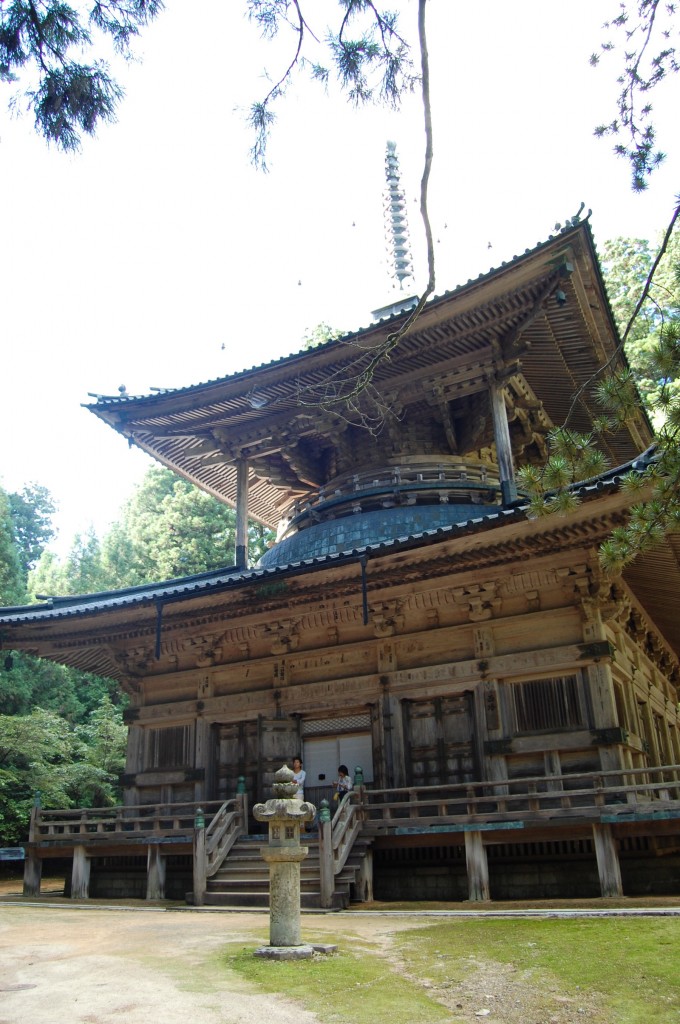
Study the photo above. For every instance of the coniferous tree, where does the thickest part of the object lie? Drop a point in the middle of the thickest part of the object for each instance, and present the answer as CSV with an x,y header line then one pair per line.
x,y
53,52
32,510
12,585
167,529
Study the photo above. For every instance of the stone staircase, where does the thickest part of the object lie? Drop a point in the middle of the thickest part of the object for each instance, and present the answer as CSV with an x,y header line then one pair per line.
x,y
243,879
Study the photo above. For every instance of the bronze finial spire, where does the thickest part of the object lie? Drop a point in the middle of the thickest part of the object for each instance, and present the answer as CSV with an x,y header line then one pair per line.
x,y
396,220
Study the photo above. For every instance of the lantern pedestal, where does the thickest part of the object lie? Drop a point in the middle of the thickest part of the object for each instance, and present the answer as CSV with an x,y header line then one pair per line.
x,y
284,854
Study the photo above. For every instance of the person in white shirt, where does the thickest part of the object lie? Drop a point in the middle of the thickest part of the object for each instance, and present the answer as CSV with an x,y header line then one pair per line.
x,y
299,776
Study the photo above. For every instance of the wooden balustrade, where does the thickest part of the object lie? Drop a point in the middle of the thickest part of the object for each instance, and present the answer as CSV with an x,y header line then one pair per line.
x,y
540,797
601,798
227,825
211,827
336,839
399,480
346,826
96,824
567,795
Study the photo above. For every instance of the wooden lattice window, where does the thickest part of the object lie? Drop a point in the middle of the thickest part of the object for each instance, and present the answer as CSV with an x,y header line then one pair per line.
x,y
171,747
544,705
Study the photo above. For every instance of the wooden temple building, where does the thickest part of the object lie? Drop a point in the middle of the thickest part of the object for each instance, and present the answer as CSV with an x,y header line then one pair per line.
x,y
513,712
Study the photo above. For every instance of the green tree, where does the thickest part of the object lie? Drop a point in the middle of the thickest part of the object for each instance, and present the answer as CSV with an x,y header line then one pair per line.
x,y
627,263
31,509
51,49
27,682
643,36
48,576
82,572
319,335
104,740
44,43
40,752
12,589
167,529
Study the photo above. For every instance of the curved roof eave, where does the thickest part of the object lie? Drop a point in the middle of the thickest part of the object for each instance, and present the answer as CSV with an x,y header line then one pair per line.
x,y
191,587
337,343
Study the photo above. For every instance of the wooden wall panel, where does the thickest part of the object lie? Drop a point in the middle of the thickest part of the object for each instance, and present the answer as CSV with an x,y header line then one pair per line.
x,y
440,741
237,754
437,646
333,663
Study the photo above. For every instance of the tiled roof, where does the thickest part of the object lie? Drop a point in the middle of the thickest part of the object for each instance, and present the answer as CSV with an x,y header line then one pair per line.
x,y
275,417
158,393
229,577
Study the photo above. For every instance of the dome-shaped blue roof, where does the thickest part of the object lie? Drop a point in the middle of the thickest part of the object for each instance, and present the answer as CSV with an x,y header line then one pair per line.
x,y
366,529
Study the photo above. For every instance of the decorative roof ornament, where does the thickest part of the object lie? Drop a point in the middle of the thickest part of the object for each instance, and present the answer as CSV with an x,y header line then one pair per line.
x,y
396,220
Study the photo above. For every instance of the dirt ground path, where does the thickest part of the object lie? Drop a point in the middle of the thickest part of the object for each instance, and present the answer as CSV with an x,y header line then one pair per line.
x,y
62,963
139,967
89,966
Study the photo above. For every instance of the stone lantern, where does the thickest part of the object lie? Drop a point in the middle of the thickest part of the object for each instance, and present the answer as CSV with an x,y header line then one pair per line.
x,y
284,815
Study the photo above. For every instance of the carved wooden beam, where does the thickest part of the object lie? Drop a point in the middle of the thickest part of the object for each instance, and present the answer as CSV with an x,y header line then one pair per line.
x,y
444,410
512,342
304,465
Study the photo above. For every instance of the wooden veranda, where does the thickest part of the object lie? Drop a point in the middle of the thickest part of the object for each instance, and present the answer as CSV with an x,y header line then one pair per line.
x,y
609,806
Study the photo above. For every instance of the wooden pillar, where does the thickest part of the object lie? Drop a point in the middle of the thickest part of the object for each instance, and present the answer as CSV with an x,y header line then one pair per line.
x,y
608,867
155,873
134,763
674,729
80,874
501,433
477,867
33,863
674,737
242,800
327,874
202,758
363,885
32,873
650,731
241,513
600,683
394,753
199,865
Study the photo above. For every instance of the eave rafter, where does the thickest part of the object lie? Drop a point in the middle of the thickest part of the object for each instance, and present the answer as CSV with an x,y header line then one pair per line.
x,y
461,341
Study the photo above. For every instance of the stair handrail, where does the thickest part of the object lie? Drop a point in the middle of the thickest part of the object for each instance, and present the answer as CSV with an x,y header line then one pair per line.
x,y
345,827
228,823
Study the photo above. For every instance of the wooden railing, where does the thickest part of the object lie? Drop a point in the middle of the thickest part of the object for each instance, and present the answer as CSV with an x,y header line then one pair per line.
x,y
589,795
230,822
336,838
209,829
212,843
345,827
400,480
620,791
597,797
128,824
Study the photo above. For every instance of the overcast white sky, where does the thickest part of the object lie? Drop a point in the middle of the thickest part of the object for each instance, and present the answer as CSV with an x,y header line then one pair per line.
x,y
137,260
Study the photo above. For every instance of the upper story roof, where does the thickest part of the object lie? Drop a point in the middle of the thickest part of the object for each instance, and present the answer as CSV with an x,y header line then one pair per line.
x,y
540,325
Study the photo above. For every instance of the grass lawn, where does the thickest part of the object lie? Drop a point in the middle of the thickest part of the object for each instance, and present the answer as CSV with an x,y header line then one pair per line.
x,y
541,971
